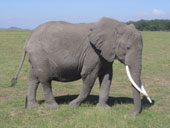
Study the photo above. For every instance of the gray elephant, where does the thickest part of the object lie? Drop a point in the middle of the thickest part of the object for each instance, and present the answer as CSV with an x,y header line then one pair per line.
x,y
67,52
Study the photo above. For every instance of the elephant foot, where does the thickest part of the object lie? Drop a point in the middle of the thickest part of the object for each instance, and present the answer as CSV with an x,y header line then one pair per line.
x,y
30,104
74,104
104,105
53,105
134,112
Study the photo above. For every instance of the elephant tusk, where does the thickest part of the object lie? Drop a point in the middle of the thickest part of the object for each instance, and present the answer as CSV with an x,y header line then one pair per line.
x,y
142,89
132,81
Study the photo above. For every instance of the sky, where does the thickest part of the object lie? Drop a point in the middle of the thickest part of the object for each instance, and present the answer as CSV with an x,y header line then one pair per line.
x,y
29,14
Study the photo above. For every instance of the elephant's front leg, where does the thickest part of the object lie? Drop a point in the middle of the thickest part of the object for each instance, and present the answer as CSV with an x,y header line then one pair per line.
x,y
105,81
87,84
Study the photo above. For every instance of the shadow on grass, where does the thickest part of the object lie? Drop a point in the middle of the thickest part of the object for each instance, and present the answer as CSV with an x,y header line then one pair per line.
x,y
93,99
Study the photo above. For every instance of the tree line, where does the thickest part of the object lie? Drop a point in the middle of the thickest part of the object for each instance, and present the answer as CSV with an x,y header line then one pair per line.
x,y
151,25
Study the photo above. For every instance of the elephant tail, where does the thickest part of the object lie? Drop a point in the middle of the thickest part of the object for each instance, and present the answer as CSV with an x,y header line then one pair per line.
x,y
14,79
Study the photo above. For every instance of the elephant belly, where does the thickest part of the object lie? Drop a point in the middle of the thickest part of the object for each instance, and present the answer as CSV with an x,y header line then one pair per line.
x,y
66,75
65,70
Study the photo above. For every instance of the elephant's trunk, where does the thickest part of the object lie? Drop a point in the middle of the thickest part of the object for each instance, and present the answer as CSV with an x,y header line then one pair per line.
x,y
142,89
133,61
133,69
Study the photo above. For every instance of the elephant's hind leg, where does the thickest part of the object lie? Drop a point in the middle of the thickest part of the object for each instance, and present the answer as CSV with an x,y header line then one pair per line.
x,y
31,96
50,102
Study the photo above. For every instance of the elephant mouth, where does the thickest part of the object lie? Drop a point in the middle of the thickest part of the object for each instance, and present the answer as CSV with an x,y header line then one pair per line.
x,y
142,89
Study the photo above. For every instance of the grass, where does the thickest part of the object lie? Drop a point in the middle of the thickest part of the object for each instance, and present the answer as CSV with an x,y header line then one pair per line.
x,y
155,75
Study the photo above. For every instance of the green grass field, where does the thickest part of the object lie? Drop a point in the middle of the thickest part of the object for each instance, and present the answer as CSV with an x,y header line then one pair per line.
x,y
155,76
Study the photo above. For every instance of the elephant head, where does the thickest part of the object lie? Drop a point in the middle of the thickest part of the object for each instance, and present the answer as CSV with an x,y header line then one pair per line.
x,y
114,40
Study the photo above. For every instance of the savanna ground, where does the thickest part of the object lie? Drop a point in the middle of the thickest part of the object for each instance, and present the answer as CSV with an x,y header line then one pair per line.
x,y
155,76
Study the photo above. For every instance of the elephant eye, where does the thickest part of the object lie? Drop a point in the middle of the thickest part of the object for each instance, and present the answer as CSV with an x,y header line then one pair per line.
x,y
128,47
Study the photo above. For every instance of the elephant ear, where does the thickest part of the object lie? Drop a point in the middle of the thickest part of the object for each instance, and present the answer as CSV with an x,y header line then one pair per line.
x,y
103,38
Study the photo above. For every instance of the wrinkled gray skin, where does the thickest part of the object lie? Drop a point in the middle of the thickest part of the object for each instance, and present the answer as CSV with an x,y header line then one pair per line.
x,y
67,52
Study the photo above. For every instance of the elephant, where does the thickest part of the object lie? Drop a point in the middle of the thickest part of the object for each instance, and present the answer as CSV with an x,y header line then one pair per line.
x,y
66,52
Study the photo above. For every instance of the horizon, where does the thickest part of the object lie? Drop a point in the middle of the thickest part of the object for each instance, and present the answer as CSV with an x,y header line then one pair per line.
x,y
29,14
19,28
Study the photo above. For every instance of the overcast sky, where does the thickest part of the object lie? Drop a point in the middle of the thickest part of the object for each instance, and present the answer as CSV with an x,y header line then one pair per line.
x,y
31,13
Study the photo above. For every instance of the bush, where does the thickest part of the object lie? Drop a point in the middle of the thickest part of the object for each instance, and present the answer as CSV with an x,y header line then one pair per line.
x,y
152,25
